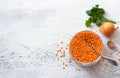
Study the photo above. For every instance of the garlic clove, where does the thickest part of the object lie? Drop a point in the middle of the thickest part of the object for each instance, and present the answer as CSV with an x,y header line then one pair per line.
x,y
111,44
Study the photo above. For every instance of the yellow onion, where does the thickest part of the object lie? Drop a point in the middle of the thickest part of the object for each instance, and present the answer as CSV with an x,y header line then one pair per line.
x,y
107,28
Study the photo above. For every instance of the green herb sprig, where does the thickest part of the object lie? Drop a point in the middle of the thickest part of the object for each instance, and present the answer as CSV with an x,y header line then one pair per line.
x,y
96,16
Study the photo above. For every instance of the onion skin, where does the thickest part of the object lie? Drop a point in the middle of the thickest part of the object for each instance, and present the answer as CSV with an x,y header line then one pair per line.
x,y
107,28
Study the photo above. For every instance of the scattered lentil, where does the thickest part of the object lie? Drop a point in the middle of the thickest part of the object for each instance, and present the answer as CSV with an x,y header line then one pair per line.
x,y
67,45
110,53
70,60
58,50
63,68
103,59
61,47
65,65
119,59
66,48
58,59
77,69
61,42
119,52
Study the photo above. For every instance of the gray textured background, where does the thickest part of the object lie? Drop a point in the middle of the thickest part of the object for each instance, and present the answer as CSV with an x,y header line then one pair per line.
x,y
30,29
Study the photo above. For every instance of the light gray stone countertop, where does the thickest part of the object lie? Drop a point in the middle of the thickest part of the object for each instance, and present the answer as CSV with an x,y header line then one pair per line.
x,y
31,29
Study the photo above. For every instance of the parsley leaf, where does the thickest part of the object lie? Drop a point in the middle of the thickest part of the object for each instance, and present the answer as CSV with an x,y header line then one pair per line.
x,y
96,16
